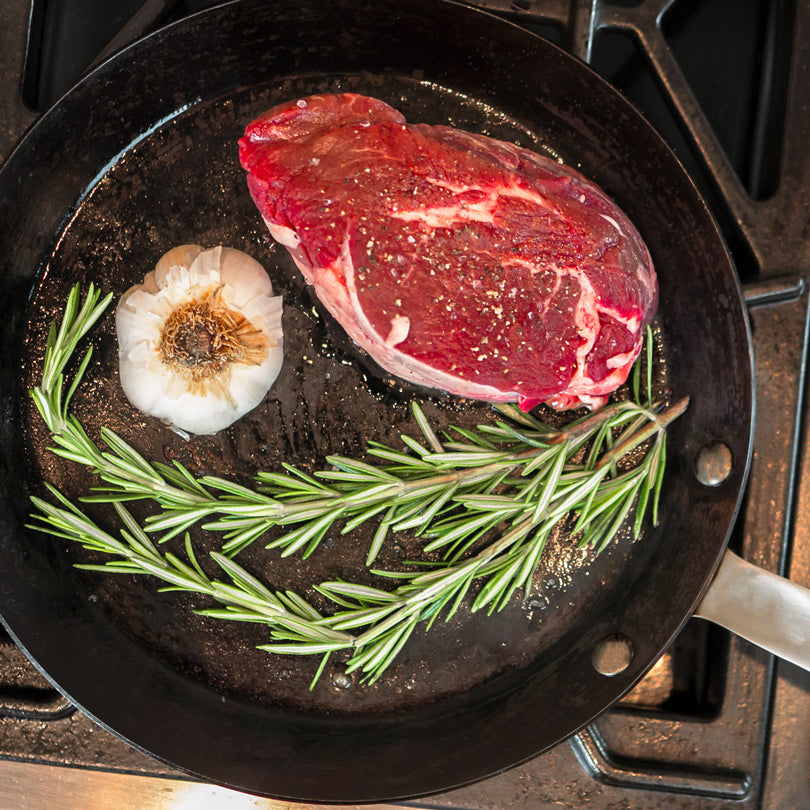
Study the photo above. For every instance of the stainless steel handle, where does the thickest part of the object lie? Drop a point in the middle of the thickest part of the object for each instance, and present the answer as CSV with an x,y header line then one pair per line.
x,y
768,610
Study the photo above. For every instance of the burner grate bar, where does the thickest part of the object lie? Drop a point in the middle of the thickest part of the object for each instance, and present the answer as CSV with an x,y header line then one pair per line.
x,y
593,753
34,704
644,23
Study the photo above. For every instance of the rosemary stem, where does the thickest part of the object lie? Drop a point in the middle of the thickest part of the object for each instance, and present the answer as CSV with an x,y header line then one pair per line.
x,y
586,426
400,490
659,424
418,594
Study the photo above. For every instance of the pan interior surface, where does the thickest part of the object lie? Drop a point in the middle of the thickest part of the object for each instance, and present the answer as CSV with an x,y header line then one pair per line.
x,y
160,168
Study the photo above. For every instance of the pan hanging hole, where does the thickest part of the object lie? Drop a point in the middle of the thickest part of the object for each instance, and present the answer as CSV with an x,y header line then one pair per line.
x,y
713,464
613,654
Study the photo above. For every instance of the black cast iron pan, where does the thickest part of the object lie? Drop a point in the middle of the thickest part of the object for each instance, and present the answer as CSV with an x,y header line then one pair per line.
x,y
141,156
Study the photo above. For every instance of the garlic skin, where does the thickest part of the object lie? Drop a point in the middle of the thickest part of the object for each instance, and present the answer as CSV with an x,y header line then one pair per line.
x,y
200,341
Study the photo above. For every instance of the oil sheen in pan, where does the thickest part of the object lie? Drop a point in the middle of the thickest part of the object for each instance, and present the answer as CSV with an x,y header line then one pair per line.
x,y
182,184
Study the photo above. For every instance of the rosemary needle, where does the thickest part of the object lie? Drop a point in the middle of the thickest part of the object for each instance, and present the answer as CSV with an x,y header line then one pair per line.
x,y
486,500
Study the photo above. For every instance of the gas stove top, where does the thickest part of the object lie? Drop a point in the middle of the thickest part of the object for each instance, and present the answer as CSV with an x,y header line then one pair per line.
x,y
717,722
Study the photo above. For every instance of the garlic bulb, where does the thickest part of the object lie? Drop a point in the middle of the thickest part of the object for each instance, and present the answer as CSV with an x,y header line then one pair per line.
x,y
200,341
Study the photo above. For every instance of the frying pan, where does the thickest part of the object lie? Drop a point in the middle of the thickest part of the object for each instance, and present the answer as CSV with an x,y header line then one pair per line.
x,y
141,156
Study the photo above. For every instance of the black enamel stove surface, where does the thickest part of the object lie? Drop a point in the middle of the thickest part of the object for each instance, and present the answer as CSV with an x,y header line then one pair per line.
x,y
717,723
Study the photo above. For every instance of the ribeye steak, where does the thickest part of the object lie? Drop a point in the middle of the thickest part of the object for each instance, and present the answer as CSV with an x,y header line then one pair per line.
x,y
456,261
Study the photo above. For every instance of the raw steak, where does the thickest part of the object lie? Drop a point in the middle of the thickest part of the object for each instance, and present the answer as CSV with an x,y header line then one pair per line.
x,y
456,261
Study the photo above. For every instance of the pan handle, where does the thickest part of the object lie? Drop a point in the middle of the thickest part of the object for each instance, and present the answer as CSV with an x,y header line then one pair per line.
x,y
768,610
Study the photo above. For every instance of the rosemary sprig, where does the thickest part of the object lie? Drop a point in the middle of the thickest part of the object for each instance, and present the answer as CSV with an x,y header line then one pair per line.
x,y
410,489
244,598
516,478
